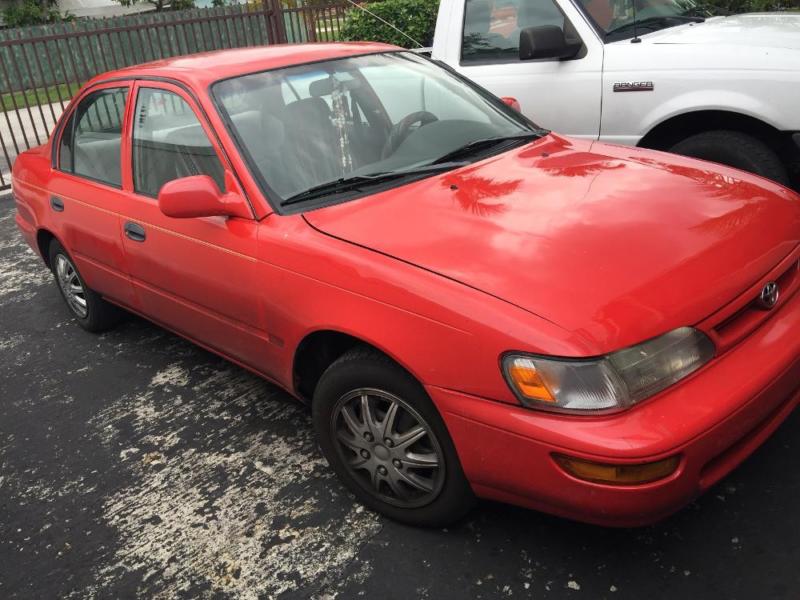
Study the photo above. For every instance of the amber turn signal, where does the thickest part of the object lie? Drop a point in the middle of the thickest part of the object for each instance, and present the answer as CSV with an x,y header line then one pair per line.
x,y
524,375
623,474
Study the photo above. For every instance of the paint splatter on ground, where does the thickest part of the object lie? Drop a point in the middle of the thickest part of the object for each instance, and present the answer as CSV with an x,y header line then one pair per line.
x,y
133,464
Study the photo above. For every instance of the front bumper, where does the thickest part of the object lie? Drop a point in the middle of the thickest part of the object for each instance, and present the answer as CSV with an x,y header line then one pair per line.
x,y
713,420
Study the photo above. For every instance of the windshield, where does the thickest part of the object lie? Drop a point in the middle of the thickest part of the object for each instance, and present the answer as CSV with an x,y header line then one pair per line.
x,y
302,127
615,17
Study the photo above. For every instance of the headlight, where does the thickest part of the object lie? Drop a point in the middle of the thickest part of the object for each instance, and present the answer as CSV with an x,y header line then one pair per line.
x,y
611,382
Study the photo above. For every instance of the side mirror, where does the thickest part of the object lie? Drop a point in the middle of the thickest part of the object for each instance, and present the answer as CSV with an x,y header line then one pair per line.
x,y
512,102
546,41
199,196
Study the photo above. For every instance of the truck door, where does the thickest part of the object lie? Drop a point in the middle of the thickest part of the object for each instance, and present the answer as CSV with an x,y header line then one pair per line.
x,y
480,39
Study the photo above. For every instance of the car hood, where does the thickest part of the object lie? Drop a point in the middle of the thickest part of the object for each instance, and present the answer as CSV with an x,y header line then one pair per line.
x,y
763,30
614,244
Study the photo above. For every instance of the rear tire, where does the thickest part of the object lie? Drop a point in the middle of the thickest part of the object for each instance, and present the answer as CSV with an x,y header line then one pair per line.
x,y
735,149
419,483
87,306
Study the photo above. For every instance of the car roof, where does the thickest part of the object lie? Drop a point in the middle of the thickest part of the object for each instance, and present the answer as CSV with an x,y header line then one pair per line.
x,y
200,70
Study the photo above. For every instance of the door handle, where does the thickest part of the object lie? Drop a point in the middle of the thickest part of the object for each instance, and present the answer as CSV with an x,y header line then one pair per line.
x,y
57,204
135,232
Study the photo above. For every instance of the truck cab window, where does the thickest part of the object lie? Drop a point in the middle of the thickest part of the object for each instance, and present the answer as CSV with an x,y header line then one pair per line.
x,y
491,27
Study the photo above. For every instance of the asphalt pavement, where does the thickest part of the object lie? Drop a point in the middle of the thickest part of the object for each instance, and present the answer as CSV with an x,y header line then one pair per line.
x,y
133,464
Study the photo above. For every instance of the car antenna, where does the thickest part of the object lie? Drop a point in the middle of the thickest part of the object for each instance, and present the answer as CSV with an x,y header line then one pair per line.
x,y
636,39
385,22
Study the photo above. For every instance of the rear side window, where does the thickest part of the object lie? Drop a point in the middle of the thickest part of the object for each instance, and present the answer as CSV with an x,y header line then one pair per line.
x,y
169,143
491,27
91,142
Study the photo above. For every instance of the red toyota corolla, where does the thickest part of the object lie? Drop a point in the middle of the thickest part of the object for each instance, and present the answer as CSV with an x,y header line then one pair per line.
x,y
472,306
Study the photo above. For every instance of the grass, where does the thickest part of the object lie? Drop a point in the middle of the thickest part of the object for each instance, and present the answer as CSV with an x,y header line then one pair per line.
x,y
37,96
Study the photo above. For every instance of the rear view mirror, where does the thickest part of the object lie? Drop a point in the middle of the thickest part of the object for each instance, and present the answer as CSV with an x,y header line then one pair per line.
x,y
546,41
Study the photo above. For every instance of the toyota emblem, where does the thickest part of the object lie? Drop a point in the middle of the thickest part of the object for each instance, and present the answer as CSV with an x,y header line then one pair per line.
x,y
769,296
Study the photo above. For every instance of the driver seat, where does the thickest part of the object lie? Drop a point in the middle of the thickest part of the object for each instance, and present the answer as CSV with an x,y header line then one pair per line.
x,y
311,144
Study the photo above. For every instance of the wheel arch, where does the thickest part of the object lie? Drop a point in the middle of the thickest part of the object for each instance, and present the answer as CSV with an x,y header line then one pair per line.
x,y
672,129
321,348
43,239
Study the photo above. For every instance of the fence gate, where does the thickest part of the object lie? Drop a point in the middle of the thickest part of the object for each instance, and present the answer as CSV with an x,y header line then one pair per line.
x,y
42,67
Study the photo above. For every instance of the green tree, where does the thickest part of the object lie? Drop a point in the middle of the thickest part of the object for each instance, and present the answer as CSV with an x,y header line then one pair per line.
x,y
415,18
33,12
741,6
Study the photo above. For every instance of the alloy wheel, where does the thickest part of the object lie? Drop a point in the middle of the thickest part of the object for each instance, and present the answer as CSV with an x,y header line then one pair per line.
x,y
388,447
71,286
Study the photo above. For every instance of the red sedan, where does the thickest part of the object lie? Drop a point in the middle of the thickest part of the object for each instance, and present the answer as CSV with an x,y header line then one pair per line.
x,y
471,306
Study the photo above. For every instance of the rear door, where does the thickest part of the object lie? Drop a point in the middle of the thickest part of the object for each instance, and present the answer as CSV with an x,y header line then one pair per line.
x,y
481,41
194,275
86,189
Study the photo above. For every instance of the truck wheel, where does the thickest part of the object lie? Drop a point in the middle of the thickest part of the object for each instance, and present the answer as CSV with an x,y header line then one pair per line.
x,y
735,149
382,435
87,306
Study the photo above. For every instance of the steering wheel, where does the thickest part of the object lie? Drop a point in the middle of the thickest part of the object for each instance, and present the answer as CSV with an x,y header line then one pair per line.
x,y
400,131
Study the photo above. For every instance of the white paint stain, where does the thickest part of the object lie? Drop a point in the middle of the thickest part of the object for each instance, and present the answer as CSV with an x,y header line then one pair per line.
x,y
22,273
247,518
174,375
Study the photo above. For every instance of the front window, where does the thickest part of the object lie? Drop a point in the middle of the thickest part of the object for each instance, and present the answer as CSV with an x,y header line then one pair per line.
x,y
333,130
169,143
615,18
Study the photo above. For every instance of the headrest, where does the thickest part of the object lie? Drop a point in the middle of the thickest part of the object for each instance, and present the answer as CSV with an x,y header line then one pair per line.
x,y
307,108
324,87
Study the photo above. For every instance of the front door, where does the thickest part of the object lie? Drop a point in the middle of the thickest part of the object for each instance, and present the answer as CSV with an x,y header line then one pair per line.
x,y
194,275
562,95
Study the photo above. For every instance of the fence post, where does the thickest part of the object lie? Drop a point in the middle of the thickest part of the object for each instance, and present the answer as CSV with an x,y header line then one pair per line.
x,y
274,12
311,23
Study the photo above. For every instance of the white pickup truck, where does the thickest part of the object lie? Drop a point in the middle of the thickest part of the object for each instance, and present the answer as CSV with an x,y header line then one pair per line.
x,y
724,88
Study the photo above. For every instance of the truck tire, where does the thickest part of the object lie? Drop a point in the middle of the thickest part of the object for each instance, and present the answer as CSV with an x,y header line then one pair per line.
x,y
735,149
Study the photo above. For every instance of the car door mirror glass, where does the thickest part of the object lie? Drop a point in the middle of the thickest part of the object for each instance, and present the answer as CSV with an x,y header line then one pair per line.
x,y
199,196
546,42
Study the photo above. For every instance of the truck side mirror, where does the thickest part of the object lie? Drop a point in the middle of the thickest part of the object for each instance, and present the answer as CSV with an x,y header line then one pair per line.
x,y
546,41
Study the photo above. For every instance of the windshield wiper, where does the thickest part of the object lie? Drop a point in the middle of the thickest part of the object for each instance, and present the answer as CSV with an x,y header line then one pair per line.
x,y
475,146
656,23
356,182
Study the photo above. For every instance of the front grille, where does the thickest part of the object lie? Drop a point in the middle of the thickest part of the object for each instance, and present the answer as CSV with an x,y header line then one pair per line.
x,y
745,315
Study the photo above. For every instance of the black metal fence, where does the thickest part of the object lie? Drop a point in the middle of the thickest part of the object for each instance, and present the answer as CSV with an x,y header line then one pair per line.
x,y
41,68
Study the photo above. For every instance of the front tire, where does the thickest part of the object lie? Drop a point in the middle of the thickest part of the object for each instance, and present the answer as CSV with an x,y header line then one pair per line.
x,y
735,149
87,306
387,443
